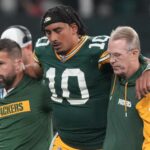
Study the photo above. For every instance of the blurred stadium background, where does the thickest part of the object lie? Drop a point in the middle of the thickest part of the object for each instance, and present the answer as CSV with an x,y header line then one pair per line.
x,y
100,16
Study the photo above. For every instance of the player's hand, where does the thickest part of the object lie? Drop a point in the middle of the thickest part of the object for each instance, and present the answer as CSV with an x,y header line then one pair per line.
x,y
143,84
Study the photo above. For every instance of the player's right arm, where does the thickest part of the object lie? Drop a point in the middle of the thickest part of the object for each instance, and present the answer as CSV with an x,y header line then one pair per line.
x,y
34,69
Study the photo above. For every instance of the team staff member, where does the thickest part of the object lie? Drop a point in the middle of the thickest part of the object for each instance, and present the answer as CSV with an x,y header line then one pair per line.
x,y
25,106
125,127
80,91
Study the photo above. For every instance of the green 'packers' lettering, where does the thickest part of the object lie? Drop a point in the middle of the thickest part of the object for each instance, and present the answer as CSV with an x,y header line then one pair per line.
x,y
14,108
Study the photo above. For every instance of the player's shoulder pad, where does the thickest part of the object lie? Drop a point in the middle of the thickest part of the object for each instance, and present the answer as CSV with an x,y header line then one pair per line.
x,y
43,41
104,58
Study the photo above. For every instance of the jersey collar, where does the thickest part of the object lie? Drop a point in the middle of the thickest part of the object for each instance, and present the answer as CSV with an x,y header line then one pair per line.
x,y
64,58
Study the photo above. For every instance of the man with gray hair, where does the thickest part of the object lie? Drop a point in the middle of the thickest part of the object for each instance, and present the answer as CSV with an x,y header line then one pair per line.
x,y
128,117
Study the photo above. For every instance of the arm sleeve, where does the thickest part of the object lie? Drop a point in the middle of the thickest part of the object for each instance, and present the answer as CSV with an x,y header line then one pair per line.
x,y
147,67
35,57
103,60
145,60
40,45
143,108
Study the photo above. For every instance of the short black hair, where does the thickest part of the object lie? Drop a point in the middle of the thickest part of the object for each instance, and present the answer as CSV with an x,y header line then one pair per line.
x,y
64,14
11,47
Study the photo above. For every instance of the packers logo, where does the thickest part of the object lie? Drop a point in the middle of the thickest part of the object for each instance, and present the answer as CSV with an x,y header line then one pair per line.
x,y
15,108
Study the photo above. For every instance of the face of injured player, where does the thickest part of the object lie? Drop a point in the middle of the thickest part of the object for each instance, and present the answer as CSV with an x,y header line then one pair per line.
x,y
62,36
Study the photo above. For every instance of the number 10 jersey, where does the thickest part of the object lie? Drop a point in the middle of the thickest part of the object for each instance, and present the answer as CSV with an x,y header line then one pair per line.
x,y
79,90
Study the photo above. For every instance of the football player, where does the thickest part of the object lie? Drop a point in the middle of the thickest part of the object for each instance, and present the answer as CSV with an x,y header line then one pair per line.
x,y
79,89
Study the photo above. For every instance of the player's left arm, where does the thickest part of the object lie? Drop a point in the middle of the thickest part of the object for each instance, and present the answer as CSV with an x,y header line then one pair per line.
x,y
143,82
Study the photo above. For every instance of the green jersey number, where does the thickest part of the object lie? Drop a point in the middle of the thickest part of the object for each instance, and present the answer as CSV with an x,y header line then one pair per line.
x,y
51,73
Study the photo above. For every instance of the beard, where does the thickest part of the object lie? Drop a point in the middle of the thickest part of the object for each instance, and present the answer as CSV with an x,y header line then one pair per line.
x,y
7,82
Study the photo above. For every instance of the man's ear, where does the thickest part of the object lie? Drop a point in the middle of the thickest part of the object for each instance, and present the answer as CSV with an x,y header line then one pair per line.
x,y
19,66
135,53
